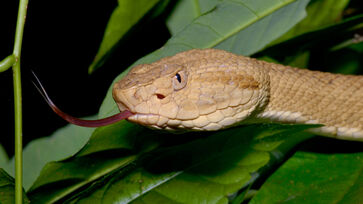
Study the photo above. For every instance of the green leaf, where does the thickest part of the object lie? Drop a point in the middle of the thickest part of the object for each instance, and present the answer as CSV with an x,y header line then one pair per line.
x,y
205,170
243,195
186,11
110,148
3,156
239,26
323,16
124,17
353,42
7,186
321,13
315,178
328,35
58,179
241,20
121,135
61,144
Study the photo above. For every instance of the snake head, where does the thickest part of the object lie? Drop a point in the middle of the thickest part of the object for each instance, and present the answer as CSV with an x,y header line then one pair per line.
x,y
193,90
150,91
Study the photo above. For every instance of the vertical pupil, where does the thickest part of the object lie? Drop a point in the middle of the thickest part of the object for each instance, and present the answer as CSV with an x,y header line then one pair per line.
x,y
178,77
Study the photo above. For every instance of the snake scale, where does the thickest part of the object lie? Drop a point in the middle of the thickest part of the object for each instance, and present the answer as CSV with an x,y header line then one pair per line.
x,y
213,89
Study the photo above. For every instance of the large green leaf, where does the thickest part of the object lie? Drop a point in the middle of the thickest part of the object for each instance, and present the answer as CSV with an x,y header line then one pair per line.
x,y
117,146
63,143
315,178
123,18
205,170
100,157
239,26
122,135
59,179
186,11
241,20
7,186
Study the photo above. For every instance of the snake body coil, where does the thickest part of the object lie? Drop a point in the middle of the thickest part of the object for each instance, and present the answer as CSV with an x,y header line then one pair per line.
x,y
213,89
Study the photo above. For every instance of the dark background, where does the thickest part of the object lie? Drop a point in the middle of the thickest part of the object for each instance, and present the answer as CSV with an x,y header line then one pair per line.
x,y
60,42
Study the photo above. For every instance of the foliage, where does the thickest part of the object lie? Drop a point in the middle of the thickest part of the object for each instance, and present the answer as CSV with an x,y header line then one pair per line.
x,y
7,194
130,13
127,163
59,144
186,165
315,178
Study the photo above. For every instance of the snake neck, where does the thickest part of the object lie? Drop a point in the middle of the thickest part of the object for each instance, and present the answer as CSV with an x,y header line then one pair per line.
x,y
312,97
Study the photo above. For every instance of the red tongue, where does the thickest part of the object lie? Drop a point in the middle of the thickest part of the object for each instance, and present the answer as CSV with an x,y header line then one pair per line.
x,y
90,123
77,121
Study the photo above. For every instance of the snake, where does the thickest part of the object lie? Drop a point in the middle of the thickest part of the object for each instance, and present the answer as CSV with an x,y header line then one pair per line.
x,y
212,89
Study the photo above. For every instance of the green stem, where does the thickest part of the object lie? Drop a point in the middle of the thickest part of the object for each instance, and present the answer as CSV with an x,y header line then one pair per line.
x,y
6,63
18,101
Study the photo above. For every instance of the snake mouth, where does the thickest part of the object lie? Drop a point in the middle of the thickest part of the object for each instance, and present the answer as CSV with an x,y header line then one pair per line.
x,y
147,119
152,120
155,121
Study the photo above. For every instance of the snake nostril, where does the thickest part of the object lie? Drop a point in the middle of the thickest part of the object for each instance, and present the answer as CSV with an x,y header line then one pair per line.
x,y
160,96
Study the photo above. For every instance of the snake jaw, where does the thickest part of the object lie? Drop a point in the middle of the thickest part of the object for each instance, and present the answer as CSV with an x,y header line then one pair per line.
x,y
150,120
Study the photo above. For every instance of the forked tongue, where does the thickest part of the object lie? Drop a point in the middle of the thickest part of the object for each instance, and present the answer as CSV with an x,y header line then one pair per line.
x,y
77,121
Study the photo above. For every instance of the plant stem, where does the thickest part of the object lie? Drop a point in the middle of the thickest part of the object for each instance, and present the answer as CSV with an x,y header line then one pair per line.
x,y
23,4
7,63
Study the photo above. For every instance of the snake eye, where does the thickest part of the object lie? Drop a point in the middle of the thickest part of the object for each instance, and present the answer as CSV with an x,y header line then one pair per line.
x,y
179,80
178,77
